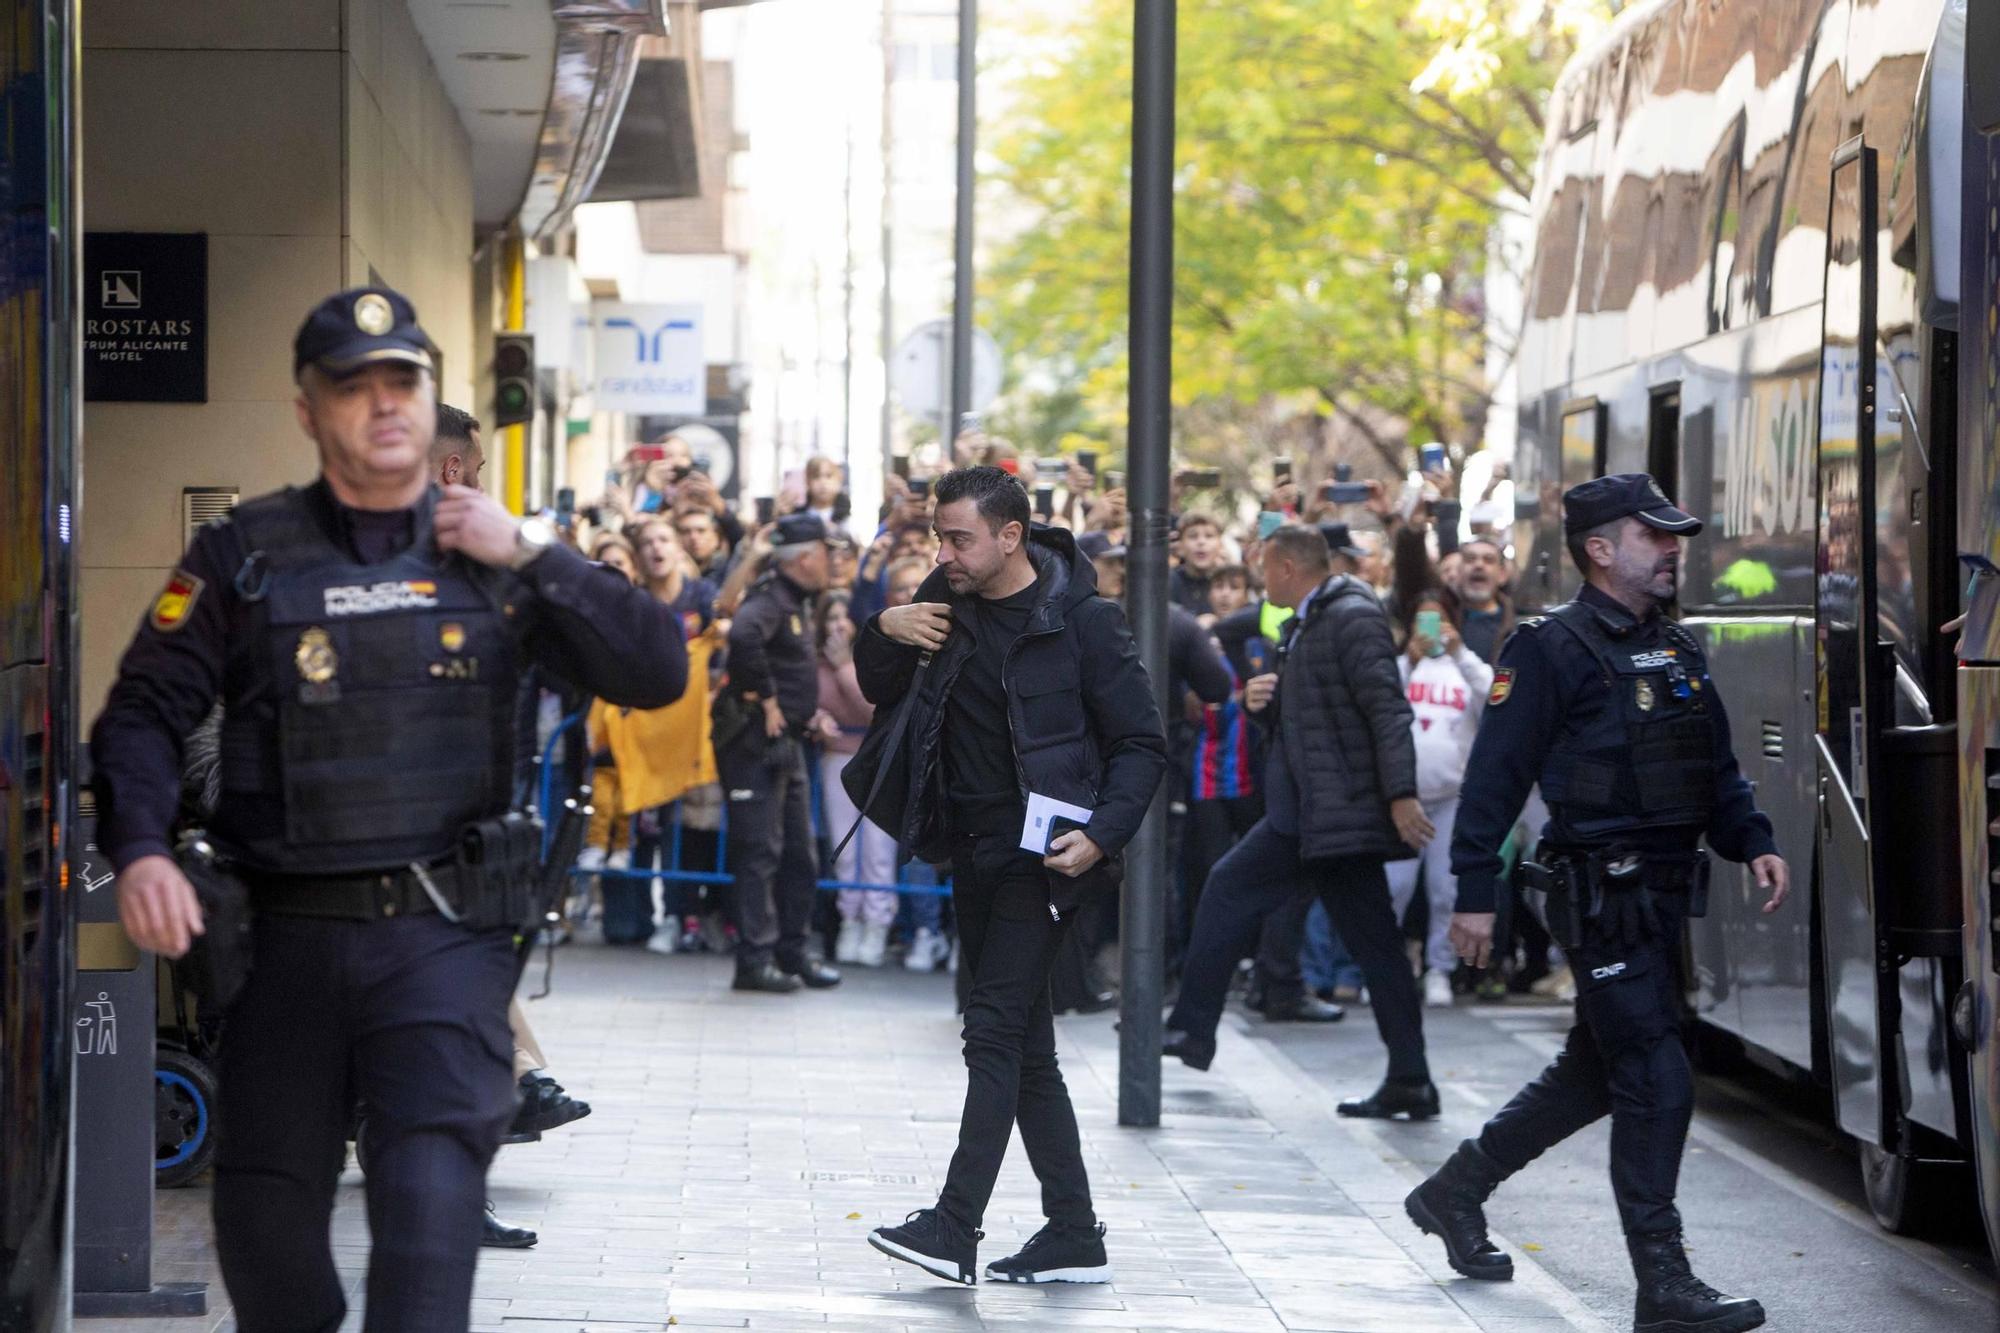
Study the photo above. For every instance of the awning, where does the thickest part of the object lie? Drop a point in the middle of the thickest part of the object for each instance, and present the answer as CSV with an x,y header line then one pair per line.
x,y
657,151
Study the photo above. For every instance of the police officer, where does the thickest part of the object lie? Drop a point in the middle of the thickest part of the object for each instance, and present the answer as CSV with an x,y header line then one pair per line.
x,y
365,635
1607,702
774,676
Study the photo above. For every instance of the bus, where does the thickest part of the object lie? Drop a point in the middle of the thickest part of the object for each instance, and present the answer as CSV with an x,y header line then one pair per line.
x,y
39,404
1765,252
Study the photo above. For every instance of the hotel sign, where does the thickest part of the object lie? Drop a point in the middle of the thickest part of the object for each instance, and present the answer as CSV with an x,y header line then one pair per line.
x,y
145,317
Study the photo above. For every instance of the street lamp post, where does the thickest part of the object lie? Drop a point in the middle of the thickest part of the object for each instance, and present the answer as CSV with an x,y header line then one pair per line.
x,y
961,280
1142,913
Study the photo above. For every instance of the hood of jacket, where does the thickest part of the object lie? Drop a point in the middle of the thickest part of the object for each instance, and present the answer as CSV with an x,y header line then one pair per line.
x,y
1065,575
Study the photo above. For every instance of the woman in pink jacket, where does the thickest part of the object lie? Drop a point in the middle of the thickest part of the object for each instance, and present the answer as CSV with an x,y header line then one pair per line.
x,y
870,858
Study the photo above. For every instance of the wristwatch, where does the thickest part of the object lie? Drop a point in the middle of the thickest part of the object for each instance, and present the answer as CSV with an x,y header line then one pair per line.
x,y
534,536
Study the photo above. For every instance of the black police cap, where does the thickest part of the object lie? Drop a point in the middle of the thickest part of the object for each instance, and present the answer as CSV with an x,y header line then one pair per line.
x,y
1602,500
359,327
799,529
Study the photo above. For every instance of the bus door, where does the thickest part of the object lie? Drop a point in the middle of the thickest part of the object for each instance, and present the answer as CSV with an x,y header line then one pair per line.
x,y
1853,676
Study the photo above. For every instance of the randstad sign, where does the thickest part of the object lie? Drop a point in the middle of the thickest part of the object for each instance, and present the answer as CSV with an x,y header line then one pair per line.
x,y
649,359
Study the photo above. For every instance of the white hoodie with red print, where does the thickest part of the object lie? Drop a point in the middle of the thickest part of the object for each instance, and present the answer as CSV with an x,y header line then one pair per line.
x,y
1447,695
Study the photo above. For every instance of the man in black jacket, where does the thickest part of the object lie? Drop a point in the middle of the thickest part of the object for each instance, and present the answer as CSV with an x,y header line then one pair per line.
x,y
1029,683
773,672
1340,800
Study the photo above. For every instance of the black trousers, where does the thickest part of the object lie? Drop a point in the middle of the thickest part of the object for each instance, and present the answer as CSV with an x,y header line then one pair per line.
x,y
408,1016
1212,829
1007,941
771,849
1624,1058
1262,874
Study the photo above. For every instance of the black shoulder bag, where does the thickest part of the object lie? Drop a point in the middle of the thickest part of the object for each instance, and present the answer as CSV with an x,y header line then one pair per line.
x,y
879,760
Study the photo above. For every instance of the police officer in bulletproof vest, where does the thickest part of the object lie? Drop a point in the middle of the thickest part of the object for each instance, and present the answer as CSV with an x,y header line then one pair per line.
x,y
365,635
1607,703
761,719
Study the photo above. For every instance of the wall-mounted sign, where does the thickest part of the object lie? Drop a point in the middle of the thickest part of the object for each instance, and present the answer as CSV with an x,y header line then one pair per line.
x,y
145,317
649,359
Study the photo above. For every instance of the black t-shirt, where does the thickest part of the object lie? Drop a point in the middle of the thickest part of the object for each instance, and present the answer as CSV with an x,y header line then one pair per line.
x,y
978,743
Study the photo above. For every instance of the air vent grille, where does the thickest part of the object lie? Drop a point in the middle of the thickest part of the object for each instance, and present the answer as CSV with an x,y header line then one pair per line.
x,y
202,505
1774,740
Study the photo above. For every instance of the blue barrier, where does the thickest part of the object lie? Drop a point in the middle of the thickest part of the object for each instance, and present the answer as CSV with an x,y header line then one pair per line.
x,y
673,872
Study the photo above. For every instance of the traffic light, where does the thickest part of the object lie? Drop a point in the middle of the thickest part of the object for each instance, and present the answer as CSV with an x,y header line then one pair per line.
x,y
513,379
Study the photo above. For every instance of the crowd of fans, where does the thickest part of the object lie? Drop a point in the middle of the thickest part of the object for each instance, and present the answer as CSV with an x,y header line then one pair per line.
x,y
665,524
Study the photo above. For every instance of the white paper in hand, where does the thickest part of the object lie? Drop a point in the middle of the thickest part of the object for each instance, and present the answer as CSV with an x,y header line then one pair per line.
x,y
1041,810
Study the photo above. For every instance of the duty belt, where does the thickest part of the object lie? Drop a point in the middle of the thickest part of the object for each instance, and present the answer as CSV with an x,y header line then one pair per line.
x,y
411,891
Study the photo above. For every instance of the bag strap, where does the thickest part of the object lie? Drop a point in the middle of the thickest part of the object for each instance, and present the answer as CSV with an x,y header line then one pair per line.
x,y
891,748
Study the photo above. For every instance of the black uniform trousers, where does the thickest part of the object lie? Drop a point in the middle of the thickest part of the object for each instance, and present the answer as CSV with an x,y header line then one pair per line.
x,y
770,844
407,1015
1624,1058
1008,939
1262,874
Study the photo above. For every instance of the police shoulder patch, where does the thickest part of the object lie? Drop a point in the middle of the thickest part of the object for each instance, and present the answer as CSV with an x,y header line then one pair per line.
x,y
1503,686
175,602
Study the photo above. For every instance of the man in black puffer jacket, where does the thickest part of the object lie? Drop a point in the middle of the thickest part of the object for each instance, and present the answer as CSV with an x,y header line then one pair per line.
x,y
1026,681
1340,800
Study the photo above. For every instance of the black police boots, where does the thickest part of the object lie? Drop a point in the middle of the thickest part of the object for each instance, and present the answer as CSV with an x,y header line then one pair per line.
x,y
1192,1051
1416,1099
1448,1206
1673,1300
766,977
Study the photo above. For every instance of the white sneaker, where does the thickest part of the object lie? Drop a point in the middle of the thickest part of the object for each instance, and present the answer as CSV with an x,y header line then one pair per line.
x,y
590,858
927,950
662,940
1437,989
847,945
874,944
619,860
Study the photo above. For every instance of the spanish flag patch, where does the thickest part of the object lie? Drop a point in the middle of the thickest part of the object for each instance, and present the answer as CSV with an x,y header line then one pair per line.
x,y
1503,685
175,602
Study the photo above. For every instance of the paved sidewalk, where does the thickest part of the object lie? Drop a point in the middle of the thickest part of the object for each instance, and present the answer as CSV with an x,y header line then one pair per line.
x,y
742,1147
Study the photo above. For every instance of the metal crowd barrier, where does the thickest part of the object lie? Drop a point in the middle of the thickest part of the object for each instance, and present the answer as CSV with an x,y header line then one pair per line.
x,y
673,872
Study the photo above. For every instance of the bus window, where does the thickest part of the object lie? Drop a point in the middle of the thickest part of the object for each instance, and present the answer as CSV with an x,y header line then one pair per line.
x,y
1846,492
1582,441
1663,442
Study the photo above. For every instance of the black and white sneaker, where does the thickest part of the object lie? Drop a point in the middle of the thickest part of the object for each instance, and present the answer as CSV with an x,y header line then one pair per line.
x,y
1056,1253
934,1243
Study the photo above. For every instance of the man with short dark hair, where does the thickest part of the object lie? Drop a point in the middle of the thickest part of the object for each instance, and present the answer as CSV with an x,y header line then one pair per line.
x,y
1488,611
456,455
1021,680
1340,800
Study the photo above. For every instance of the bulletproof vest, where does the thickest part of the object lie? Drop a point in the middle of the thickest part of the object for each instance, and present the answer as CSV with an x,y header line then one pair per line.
x,y
1646,759
368,709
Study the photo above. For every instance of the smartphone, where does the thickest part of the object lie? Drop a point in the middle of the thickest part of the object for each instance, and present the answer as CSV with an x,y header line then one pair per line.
x,y
701,464
1114,481
920,487
900,465
1430,624
566,500
1087,460
1343,472
1346,492
766,507
1268,522
1281,471
1200,478
1430,458
1049,471
647,453
1045,501
613,478
1060,825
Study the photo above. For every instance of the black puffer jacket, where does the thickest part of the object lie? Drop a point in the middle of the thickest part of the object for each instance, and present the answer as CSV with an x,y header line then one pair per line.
x,y
1343,718
1079,704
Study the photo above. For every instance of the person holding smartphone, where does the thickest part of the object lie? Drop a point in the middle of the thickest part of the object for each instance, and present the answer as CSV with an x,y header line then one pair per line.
x,y
1447,686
